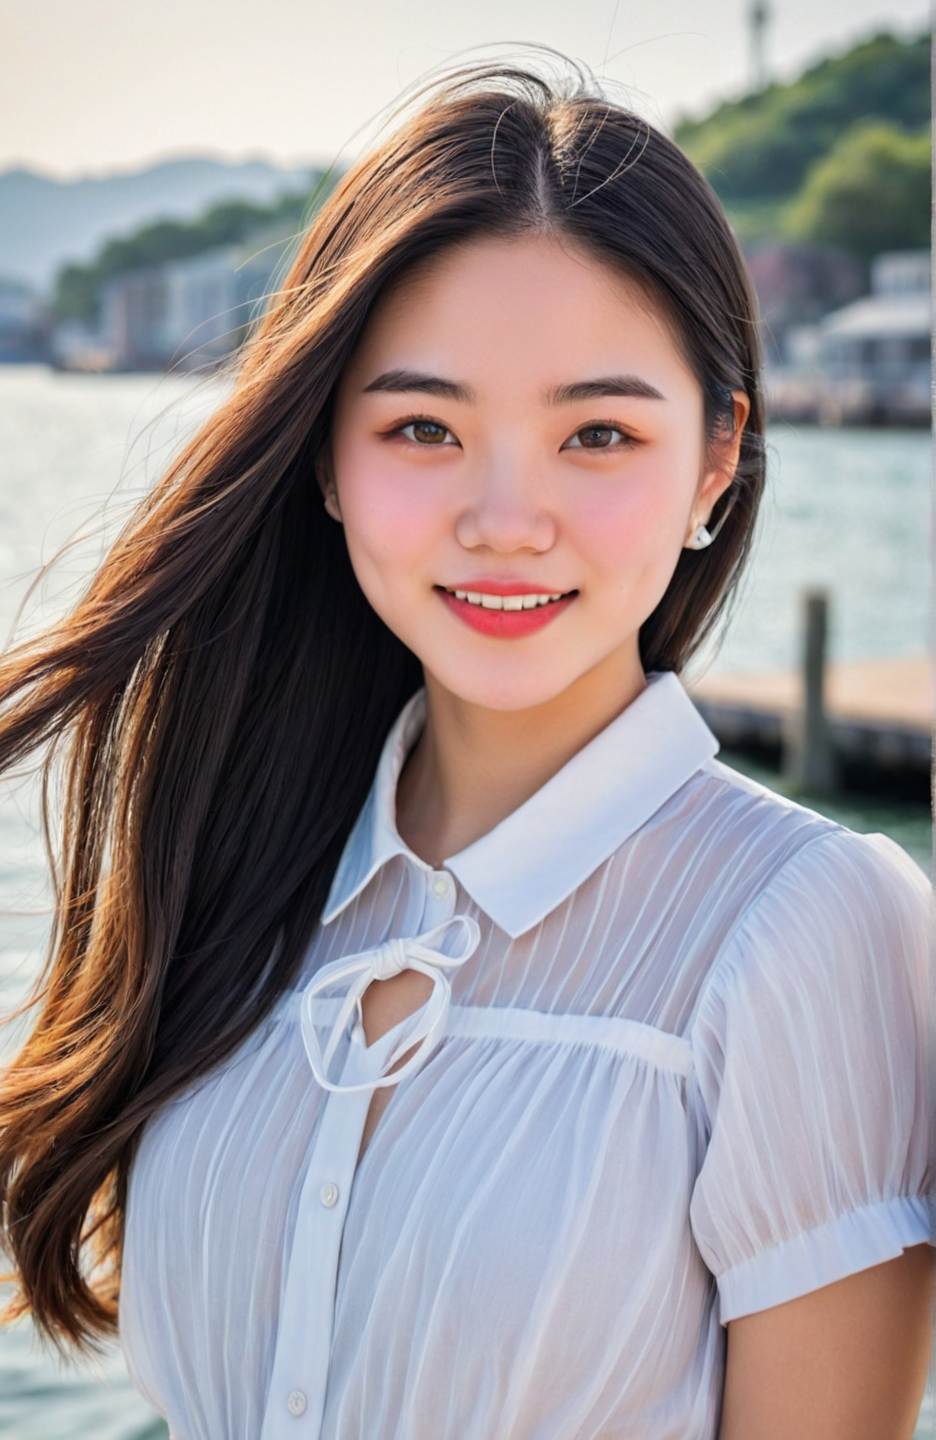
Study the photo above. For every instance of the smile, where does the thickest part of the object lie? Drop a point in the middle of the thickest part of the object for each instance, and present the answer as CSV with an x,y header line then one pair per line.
x,y
506,602
505,616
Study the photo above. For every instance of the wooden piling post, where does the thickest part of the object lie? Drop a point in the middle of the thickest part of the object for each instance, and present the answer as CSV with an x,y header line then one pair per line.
x,y
809,759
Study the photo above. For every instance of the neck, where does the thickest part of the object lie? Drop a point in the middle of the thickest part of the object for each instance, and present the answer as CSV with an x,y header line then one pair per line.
x,y
472,766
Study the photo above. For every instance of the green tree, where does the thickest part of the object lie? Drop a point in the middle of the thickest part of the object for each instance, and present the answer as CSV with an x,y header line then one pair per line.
x,y
763,145
871,192
76,290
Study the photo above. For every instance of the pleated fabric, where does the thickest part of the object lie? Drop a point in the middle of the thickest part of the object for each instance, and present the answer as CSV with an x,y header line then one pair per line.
x,y
671,1072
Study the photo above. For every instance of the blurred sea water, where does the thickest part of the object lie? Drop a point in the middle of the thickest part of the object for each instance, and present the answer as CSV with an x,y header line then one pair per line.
x,y
847,509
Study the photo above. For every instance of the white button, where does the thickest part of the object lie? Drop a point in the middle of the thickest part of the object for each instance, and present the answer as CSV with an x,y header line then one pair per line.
x,y
441,885
296,1402
328,1193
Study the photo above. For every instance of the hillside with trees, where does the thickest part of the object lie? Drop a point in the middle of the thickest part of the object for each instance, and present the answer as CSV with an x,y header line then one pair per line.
x,y
838,156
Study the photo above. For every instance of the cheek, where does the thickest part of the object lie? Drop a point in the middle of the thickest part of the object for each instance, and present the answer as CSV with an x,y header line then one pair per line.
x,y
633,520
390,520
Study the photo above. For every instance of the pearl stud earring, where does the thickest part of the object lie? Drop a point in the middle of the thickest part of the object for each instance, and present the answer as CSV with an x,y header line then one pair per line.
x,y
699,538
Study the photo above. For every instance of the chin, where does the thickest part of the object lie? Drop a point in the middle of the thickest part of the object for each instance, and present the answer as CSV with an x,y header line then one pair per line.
x,y
519,686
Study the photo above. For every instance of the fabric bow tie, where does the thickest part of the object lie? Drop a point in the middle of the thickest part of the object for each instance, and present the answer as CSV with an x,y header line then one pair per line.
x,y
379,963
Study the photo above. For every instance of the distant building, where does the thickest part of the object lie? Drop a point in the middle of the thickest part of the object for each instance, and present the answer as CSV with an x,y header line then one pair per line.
x,y
869,361
133,313
23,323
199,308
880,345
796,284
189,314
77,346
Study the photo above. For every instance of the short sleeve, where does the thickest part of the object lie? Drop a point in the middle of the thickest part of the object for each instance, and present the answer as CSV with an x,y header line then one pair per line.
x,y
809,1061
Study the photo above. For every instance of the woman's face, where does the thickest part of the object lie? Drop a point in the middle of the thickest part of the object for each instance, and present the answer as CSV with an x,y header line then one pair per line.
x,y
501,481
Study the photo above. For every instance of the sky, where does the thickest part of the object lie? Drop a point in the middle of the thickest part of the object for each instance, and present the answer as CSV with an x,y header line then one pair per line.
x,y
102,85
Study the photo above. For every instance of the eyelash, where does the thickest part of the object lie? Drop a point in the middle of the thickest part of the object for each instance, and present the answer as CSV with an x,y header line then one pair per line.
x,y
627,441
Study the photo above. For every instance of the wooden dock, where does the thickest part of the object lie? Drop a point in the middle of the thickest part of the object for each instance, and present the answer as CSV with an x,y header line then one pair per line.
x,y
878,712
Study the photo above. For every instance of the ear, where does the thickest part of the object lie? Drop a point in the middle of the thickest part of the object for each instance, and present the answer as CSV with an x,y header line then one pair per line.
x,y
727,451
324,476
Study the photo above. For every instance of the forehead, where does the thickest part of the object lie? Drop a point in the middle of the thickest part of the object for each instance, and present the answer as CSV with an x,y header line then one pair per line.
x,y
519,312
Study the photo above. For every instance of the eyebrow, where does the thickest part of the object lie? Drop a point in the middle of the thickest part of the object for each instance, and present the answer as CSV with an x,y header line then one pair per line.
x,y
628,386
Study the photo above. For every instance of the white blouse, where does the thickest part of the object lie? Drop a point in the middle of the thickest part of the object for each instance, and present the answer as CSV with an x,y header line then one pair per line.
x,y
671,1072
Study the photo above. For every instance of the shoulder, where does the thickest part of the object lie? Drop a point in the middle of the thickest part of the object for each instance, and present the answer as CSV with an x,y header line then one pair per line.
x,y
796,846
844,921
753,817
839,881
799,888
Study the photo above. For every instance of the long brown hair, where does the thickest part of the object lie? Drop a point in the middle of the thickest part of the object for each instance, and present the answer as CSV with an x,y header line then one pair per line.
x,y
222,688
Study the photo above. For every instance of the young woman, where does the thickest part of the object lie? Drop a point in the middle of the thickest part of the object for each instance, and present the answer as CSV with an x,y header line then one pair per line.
x,y
438,1041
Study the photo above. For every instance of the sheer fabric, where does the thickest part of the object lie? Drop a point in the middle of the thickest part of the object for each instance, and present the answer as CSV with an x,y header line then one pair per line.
x,y
670,1072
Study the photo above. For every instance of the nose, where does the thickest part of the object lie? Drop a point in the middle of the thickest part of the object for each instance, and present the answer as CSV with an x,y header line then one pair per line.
x,y
509,509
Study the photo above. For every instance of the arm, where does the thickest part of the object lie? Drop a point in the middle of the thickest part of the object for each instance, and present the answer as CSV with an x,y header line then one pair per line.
x,y
845,1362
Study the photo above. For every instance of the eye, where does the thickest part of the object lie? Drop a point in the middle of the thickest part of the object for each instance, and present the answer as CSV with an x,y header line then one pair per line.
x,y
597,427
424,422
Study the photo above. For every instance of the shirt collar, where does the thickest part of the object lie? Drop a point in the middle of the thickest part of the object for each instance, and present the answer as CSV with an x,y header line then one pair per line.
x,y
534,858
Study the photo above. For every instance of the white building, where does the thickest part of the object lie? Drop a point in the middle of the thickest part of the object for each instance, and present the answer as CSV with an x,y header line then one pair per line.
x,y
190,313
875,352
867,362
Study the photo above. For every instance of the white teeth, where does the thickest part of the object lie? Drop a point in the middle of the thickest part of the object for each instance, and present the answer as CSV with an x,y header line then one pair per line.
x,y
503,602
